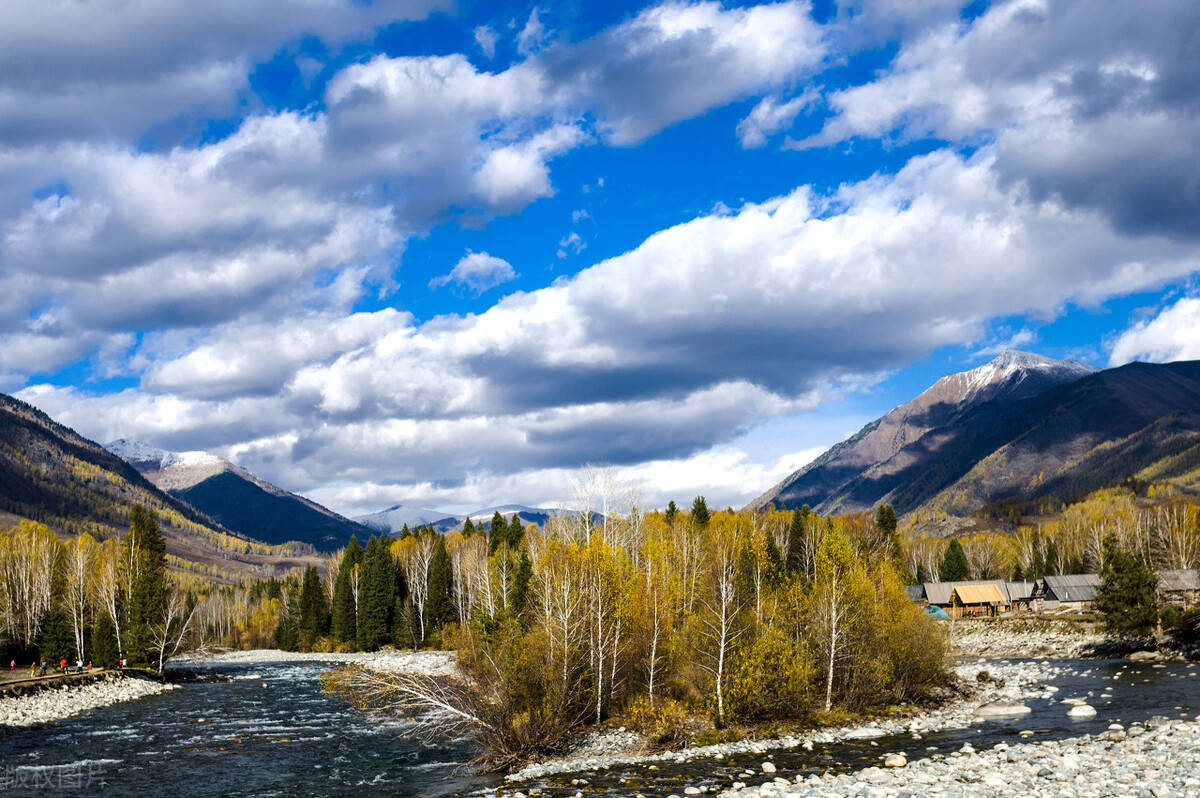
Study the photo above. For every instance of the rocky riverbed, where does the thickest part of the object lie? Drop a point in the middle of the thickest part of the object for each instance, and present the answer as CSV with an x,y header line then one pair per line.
x,y
433,663
1024,637
1152,760
1001,683
56,703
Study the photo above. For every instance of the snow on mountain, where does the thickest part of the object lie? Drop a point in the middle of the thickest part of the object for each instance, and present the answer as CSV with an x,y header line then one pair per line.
x,y
396,517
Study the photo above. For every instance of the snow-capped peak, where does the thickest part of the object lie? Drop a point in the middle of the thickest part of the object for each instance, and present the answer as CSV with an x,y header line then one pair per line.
x,y
142,453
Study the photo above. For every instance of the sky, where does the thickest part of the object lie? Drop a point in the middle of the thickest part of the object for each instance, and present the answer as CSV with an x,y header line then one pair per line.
x,y
448,254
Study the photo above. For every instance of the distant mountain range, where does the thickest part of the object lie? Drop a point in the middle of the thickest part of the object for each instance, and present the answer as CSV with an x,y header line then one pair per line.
x,y
395,518
1021,426
237,499
51,474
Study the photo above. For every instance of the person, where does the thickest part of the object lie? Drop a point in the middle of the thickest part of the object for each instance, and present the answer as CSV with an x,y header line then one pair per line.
x,y
12,666
62,663
79,666
33,669
43,673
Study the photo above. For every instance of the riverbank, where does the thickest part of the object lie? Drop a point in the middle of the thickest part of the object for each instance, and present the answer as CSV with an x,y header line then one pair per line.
x,y
62,701
1025,637
432,663
1156,759
1004,682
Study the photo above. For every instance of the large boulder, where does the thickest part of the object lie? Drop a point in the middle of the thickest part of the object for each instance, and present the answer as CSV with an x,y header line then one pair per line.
x,y
1001,709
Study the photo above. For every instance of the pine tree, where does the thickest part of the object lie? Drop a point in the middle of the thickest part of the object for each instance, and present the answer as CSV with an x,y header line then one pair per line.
x,y
498,534
58,638
519,594
1126,596
314,609
103,642
287,634
954,566
377,601
468,528
516,532
149,590
797,543
344,625
672,511
885,519
439,606
700,514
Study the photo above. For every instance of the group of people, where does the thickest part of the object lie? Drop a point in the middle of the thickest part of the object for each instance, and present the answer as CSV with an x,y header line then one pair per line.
x,y
39,667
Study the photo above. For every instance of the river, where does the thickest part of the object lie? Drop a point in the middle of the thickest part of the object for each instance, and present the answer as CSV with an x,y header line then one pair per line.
x,y
240,738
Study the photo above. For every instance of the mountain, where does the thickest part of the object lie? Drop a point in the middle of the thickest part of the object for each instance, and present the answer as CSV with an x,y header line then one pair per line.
x,y
844,478
239,500
398,516
51,474
393,519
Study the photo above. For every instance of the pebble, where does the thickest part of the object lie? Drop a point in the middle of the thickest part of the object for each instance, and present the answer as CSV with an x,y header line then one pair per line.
x,y
55,704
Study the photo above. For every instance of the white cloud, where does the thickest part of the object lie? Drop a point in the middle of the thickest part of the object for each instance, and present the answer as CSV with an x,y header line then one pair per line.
x,y
477,271
571,244
770,117
533,35
486,38
1174,334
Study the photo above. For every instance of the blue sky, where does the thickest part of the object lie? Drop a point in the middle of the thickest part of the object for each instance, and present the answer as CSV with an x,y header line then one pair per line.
x,y
447,254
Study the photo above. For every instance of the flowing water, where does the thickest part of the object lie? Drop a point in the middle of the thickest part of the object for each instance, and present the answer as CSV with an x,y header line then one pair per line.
x,y
235,738
239,738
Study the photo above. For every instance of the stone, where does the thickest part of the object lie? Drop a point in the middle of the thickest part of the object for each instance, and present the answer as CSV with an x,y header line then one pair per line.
x,y
1082,711
691,790
895,761
1144,656
768,767
1001,709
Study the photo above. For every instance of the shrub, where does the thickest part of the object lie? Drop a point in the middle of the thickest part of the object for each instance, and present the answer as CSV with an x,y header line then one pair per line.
x,y
770,679
718,736
665,722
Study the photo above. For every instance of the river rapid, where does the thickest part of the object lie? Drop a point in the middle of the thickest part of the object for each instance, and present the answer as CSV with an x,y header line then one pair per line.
x,y
287,738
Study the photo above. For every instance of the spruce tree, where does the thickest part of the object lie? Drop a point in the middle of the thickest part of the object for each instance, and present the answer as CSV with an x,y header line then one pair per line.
x,y
58,638
439,605
1126,596
885,519
287,634
672,511
314,609
498,534
797,543
103,642
518,596
700,514
344,625
149,589
516,532
377,598
468,528
954,566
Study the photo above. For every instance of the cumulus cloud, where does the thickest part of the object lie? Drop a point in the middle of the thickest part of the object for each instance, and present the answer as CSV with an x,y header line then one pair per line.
x,y
477,271
68,70
1174,334
770,117
774,309
486,38
1090,102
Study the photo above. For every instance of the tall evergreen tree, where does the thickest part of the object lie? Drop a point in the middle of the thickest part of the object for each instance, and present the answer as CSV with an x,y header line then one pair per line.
x,y
439,605
103,643
344,625
468,528
148,592
518,596
672,511
954,566
314,609
515,532
498,533
797,543
700,514
287,634
1126,597
377,600
58,638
